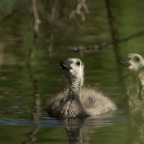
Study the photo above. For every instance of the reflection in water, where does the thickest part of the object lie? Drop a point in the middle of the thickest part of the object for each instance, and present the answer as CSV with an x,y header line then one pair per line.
x,y
37,110
1,50
16,24
115,38
73,130
136,126
37,95
79,131
32,136
37,113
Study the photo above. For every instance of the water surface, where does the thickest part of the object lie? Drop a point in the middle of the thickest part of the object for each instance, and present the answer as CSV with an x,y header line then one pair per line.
x,y
25,89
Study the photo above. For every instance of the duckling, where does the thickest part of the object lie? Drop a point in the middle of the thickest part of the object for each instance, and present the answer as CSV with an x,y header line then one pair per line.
x,y
78,101
134,96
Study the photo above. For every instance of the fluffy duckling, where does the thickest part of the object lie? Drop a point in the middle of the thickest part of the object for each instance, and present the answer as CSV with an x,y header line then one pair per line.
x,y
78,101
135,63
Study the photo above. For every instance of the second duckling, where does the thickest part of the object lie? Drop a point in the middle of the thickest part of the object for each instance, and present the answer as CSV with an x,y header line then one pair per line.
x,y
135,63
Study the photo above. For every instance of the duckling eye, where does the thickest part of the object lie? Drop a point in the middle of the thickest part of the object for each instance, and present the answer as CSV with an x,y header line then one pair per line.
x,y
78,63
137,59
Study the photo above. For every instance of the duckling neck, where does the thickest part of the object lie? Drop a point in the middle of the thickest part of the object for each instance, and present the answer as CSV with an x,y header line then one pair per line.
x,y
141,83
74,90
141,77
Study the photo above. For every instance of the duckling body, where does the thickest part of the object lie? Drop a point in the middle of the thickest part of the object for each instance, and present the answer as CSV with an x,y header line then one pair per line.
x,y
78,101
94,102
132,99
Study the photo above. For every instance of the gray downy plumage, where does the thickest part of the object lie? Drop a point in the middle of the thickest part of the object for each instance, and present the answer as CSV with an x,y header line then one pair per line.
x,y
135,95
78,101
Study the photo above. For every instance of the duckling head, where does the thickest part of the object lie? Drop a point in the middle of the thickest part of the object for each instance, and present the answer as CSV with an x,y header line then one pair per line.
x,y
133,62
73,69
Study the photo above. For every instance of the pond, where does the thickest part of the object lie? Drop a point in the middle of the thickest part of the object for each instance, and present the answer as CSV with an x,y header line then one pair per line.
x,y
23,119
29,78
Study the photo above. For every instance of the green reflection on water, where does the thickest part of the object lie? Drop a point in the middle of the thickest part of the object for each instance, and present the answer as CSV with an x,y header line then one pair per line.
x,y
16,89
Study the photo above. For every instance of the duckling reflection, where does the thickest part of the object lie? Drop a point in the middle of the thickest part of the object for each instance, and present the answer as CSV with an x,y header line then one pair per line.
x,y
136,126
80,131
135,94
78,101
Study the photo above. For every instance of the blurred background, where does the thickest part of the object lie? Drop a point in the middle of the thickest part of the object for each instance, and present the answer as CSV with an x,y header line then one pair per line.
x,y
35,35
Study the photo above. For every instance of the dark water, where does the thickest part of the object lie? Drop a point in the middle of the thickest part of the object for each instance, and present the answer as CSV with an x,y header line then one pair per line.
x,y
24,90
18,103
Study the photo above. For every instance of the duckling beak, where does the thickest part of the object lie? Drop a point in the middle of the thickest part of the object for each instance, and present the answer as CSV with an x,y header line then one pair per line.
x,y
65,65
125,62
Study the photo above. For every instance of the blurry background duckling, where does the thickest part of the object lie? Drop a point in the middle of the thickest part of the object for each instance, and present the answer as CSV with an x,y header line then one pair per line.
x,y
135,94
